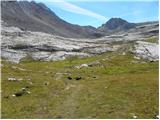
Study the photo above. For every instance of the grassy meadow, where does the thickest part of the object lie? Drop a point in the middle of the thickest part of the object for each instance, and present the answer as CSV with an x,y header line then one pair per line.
x,y
121,87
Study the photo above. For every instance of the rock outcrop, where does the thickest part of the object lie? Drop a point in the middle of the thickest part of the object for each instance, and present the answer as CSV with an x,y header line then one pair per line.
x,y
17,44
146,50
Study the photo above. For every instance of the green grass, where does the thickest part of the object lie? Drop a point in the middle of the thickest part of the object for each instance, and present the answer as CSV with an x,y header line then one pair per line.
x,y
118,89
153,40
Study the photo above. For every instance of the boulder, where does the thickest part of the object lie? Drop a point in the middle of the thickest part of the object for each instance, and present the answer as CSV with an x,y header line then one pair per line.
x,y
96,63
146,50
78,78
81,66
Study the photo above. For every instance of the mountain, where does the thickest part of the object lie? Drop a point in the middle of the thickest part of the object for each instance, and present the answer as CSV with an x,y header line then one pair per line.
x,y
116,24
34,16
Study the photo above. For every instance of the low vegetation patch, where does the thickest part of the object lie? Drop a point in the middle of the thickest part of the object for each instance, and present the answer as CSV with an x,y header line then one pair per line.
x,y
118,88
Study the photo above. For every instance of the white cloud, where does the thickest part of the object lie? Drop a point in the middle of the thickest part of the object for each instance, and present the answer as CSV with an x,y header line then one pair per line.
x,y
78,10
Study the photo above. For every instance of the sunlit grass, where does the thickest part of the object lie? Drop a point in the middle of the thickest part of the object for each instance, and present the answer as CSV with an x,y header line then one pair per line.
x,y
117,89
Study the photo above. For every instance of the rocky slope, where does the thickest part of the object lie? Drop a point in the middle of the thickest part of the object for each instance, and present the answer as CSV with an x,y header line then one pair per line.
x,y
18,44
31,30
116,24
34,16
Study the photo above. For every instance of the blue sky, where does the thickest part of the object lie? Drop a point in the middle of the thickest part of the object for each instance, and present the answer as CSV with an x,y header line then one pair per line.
x,y
97,12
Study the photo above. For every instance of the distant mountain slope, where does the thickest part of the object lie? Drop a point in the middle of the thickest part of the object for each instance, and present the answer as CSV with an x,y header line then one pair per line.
x,y
116,24
37,17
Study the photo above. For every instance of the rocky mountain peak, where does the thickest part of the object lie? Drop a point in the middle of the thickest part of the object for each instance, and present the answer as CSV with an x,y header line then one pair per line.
x,y
116,24
33,16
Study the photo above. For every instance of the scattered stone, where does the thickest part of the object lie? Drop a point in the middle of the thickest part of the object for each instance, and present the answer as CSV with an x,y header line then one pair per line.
x,y
46,83
19,79
81,66
135,57
12,79
101,49
21,92
14,95
18,94
78,78
157,117
123,53
138,62
15,67
23,89
70,86
96,63
69,78
31,83
28,92
27,87
135,117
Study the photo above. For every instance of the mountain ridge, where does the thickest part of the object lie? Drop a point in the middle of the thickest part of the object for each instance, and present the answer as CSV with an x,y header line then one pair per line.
x,y
38,17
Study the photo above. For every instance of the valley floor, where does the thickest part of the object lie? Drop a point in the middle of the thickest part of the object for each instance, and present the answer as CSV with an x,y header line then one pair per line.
x,y
120,87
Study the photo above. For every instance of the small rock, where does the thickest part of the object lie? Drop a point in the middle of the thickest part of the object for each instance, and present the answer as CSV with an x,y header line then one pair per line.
x,y
23,89
135,57
18,94
12,79
69,78
157,117
96,63
14,95
14,67
27,87
31,83
134,116
78,78
123,53
46,83
19,79
28,92
84,65
81,66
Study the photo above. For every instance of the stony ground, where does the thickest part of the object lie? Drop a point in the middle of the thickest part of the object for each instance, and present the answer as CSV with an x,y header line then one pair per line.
x,y
117,85
17,44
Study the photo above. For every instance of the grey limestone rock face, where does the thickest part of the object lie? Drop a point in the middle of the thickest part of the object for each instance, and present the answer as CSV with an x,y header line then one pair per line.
x,y
12,55
146,50
17,44
60,55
